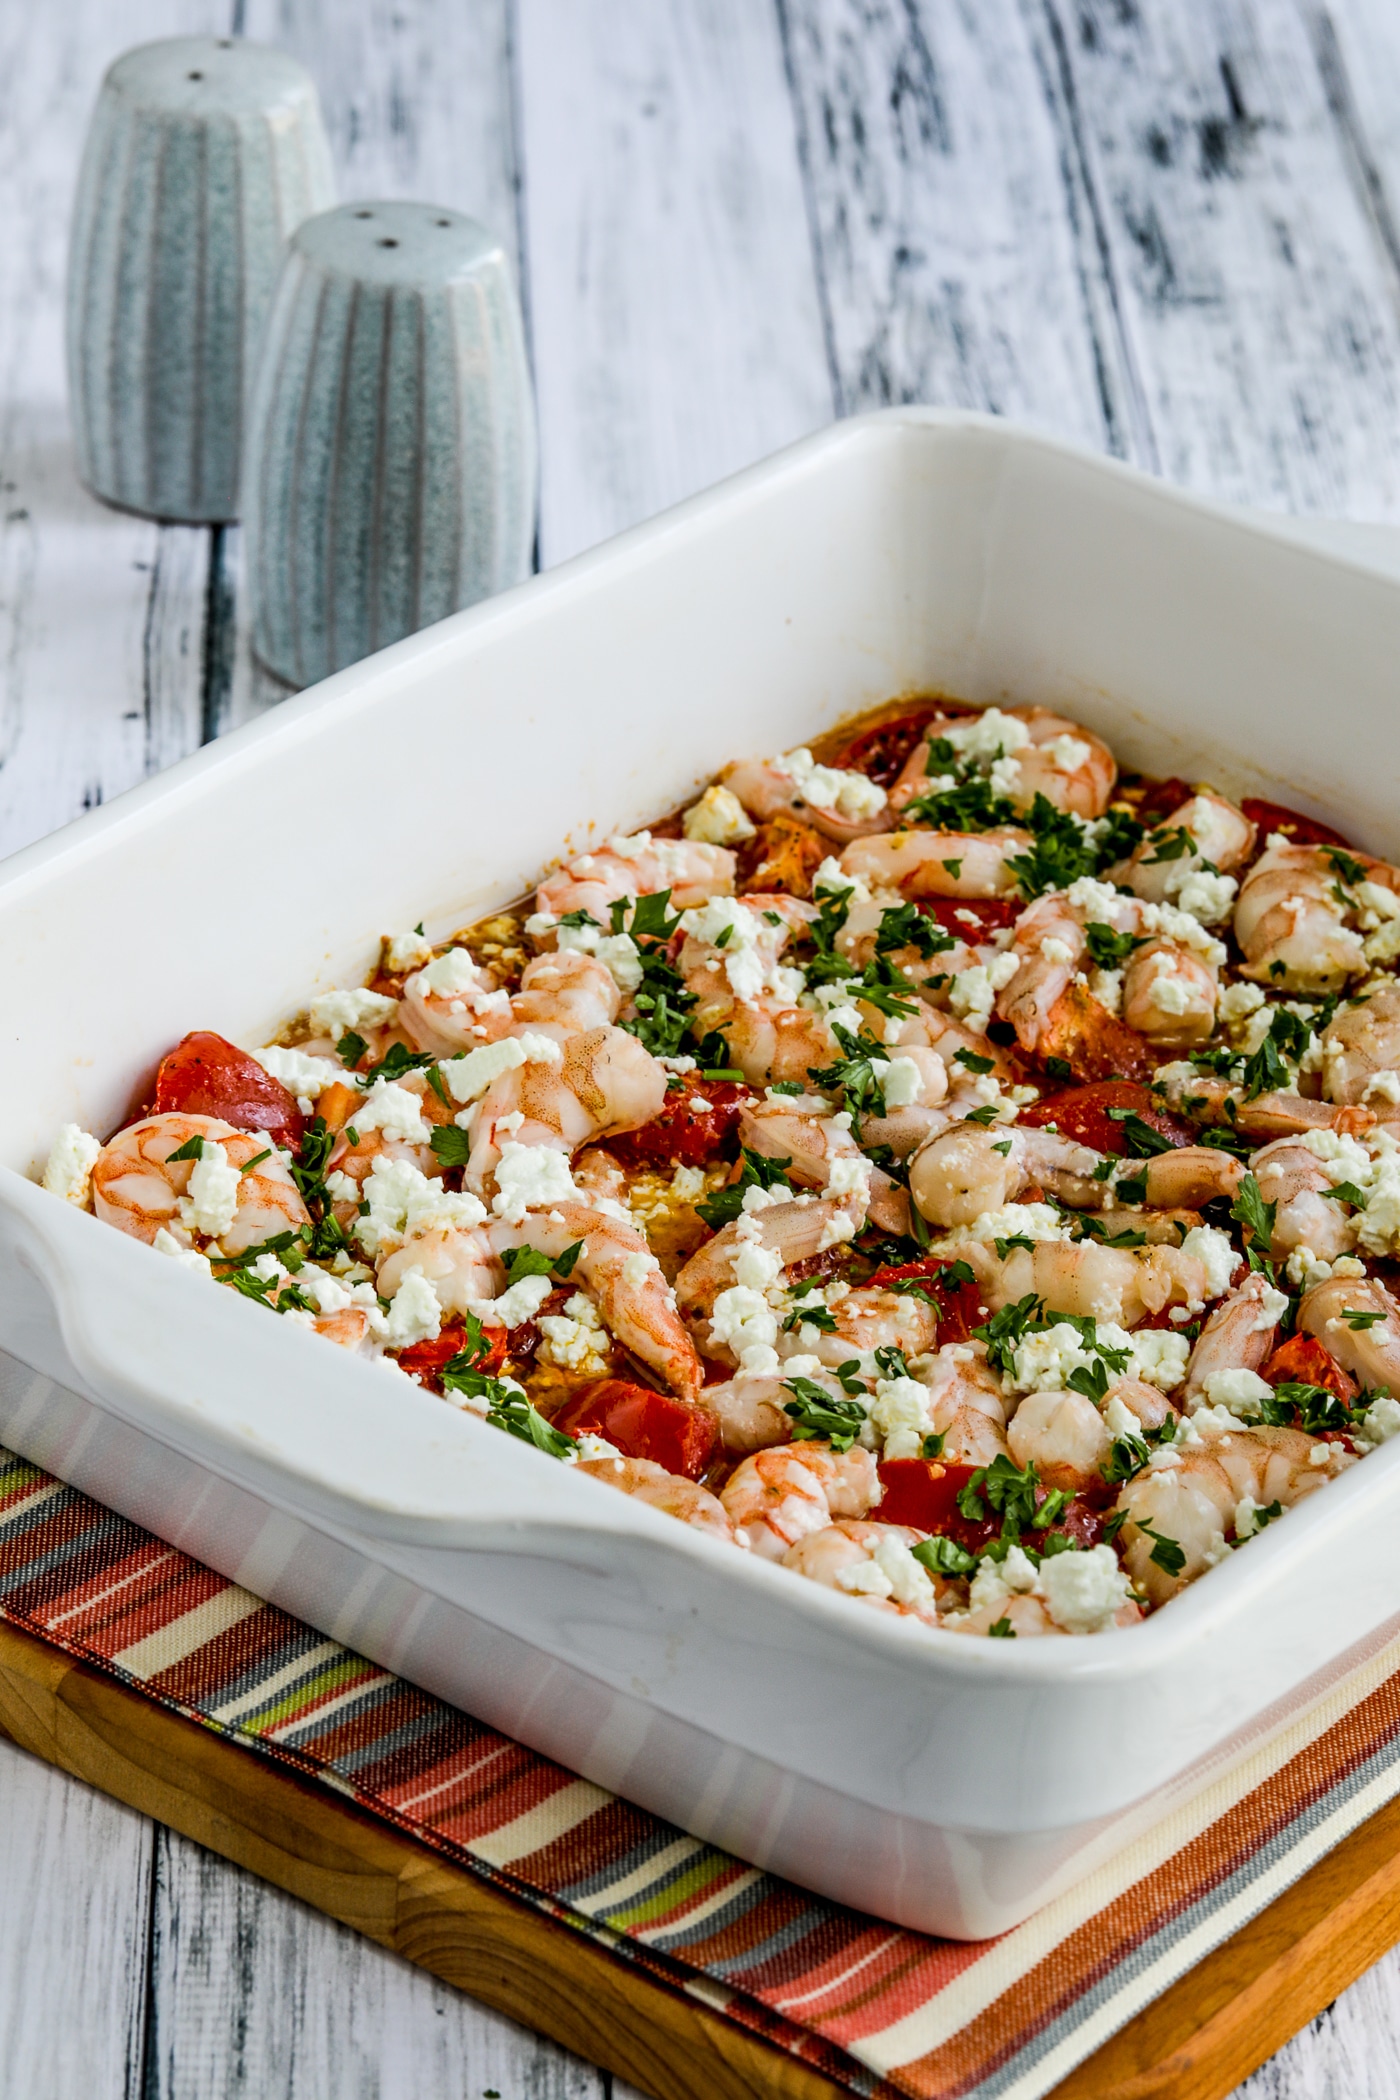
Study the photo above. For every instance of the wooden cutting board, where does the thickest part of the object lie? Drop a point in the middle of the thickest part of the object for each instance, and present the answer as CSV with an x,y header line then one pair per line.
x,y
1196,2043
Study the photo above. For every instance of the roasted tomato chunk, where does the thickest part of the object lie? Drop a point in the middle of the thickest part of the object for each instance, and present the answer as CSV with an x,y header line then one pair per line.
x,y
973,918
697,1123
923,1493
1161,799
428,1360
1277,816
1082,1113
206,1076
959,1304
1095,1045
1302,1360
783,854
643,1424
882,751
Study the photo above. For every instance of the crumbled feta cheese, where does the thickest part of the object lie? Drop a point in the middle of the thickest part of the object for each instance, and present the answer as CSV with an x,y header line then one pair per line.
x,y
1107,987
576,1339
1045,1359
717,819
212,1202
850,795
996,1581
900,1079
402,1202
335,1012
1159,1358
900,1412
414,1312
638,1268
1029,1221
617,952
306,1077
531,1177
743,1321
468,1077
850,1175
68,1172
986,737
864,1578
1273,1304
407,951
831,878
1212,1247
591,1448
188,1257
1057,951
449,976
908,1579
756,1266
1241,1392
747,957
973,993
392,1109
1119,1420
1236,1003
1206,897
1084,1592
1383,1086
1169,993
520,1302
688,1184
1380,1422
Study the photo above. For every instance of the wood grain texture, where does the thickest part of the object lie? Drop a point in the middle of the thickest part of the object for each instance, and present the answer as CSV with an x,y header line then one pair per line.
x,y
1258,303
674,307
87,704
956,241
390,1890
74,1867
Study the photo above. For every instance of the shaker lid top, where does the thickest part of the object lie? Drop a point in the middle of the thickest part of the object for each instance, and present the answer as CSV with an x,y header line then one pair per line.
x,y
208,76
393,242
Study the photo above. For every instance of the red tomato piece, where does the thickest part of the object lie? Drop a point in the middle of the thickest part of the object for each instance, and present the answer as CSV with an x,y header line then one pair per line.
x,y
1081,1113
206,1076
959,1305
882,751
698,1121
1277,816
973,918
923,1493
1092,1042
1303,1360
428,1360
643,1424
1162,799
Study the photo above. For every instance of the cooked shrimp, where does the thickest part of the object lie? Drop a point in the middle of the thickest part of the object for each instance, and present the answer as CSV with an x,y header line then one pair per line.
x,y
1296,1180
1166,867
605,1080
774,1498
635,867
1239,1335
1273,1115
821,1150
842,805
864,1320
452,1004
1371,1353
966,1405
1063,1435
1191,1496
787,1232
961,1173
671,1493
938,863
1118,1284
1170,978
459,1262
750,1410
566,987
1361,1050
623,1277
1028,751
394,1121
1291,918
218,1196
872,1563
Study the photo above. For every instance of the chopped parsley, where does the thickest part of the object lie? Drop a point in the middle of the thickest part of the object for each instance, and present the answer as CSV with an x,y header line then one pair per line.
x,y
451,1146
755,1172
1143,1141
944,1556
1166,1553
818,1415
1107,948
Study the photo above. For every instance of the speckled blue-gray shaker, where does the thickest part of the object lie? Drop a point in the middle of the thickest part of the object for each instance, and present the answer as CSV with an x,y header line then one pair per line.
x,y
203,154
389,469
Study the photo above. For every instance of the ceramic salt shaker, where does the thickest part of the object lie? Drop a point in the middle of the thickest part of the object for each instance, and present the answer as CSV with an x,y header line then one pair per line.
x,y
389,466
202,156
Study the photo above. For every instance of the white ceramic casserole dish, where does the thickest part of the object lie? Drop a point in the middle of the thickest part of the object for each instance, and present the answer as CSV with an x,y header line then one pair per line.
x,y
943,1782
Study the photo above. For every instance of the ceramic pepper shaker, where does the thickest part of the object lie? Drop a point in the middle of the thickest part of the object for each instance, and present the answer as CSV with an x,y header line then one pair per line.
x,y
203,154
389,468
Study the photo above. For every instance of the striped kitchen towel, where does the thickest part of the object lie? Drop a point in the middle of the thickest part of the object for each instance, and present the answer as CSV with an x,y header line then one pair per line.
x,y
883,2011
